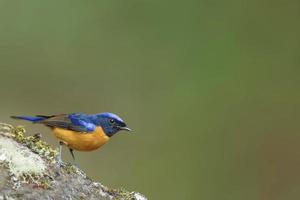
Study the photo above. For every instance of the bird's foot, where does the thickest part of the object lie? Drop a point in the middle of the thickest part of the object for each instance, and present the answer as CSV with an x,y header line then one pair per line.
x,y
59,162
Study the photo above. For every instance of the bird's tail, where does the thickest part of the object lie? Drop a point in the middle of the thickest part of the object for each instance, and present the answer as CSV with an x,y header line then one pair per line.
x,y
30,118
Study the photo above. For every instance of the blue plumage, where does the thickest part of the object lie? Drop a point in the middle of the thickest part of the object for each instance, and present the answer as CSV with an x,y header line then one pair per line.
x,y
29,118
80,122
110,115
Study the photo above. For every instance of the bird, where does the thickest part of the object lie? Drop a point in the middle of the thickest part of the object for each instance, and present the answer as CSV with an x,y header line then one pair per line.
x,y
80,131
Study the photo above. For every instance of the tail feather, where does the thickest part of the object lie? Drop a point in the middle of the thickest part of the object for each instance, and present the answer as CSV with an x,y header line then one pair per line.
x,y
30,118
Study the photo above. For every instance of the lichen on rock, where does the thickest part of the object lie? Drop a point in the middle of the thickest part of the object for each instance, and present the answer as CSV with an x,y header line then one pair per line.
x,y
20,159
28,170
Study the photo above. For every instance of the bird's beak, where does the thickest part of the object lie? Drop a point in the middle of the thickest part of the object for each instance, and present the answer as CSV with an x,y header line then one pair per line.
x,y
125,128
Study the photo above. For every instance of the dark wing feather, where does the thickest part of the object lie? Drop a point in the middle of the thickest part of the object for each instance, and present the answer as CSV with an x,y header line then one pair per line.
x,y
64,121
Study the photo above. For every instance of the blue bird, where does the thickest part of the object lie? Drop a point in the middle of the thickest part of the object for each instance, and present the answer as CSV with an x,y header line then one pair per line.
x,y
80,131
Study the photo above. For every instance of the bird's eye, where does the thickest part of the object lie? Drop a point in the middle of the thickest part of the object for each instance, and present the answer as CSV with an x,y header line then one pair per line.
x,y
112,121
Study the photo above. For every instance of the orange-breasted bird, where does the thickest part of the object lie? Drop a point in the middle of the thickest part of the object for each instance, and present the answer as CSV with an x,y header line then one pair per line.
x,y
80,131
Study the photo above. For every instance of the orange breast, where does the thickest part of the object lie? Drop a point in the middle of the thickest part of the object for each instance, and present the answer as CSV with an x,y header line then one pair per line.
x,y
82,141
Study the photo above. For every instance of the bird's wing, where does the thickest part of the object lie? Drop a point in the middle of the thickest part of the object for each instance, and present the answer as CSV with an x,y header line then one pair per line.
x,y
75,122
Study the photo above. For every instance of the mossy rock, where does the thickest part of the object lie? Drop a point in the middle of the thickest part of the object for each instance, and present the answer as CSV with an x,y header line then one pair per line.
x,y
28,170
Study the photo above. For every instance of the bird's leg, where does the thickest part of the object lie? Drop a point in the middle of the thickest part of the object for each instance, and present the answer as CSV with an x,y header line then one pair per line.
x,y
73,156
58,158
72,153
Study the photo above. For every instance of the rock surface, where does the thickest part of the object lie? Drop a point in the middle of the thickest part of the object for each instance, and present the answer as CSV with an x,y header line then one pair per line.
x,y
28,170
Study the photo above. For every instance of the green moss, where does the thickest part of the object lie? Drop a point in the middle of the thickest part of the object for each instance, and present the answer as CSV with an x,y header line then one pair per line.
x,y
40,147
37,180
18,134
69,168
34,143
121,194
82,196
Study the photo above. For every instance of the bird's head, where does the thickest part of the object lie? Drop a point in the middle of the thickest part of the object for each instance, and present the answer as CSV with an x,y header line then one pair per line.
x,y
110,123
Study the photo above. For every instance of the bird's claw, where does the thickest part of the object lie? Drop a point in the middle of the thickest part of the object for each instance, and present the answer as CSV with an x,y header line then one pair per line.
x,y
59,162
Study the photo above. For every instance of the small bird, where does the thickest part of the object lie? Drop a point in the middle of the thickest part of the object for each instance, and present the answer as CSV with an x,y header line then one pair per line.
x,y
80,131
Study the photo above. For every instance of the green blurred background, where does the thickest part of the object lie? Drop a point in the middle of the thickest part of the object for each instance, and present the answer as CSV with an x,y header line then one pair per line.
x,y
211,89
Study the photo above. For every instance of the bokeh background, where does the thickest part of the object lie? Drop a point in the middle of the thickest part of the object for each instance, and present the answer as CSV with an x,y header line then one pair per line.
x,y
211,89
